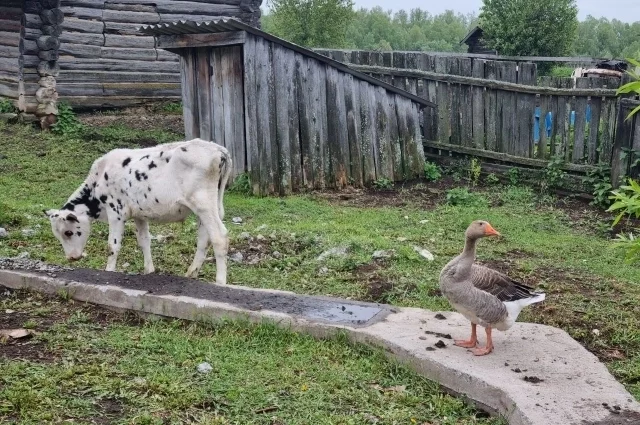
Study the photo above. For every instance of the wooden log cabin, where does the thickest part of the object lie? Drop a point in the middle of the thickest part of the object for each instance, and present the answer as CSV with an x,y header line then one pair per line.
x,y
90,52
291,118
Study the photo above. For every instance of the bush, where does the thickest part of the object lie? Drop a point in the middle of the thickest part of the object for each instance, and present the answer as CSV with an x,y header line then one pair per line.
x,y
67,123
6,106
432,171
627,203
599,183
460,196
383,183
241,184
561,71
492,179
633,86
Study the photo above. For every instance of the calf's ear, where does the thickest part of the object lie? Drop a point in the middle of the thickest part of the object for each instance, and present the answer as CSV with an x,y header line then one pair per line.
x,y
48,213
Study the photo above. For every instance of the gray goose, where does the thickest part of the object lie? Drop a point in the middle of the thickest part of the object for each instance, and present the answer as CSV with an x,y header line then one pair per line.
x,y
484,296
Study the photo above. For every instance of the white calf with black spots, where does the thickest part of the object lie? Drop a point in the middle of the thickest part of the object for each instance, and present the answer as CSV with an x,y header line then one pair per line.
x,y
164,183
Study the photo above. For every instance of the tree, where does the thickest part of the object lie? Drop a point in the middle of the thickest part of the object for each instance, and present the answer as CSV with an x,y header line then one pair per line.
x,y
530,28
416,30
311,23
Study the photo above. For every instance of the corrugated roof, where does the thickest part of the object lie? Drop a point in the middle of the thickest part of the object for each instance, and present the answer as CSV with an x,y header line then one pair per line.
x,y
224,24
202,27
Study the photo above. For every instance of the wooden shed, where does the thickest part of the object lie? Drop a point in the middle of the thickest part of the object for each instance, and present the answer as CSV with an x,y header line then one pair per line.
x,y
475,42
90,53
291,118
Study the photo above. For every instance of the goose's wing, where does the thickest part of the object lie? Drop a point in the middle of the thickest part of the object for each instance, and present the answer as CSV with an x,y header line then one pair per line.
x,y
499,284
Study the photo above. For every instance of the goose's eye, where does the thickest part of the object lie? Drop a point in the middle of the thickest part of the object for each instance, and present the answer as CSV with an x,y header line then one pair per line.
x,y
68,233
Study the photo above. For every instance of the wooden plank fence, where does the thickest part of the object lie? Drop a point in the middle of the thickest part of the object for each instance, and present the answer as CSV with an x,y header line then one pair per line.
x,y
494,109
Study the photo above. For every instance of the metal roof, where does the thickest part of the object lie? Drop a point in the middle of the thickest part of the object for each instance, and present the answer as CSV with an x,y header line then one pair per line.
x,y
225,24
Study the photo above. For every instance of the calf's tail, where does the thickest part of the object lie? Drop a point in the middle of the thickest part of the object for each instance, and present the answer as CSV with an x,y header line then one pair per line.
x,y
226,166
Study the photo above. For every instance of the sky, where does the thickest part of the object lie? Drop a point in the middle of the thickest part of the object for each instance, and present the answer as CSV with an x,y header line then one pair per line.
x,y
624,10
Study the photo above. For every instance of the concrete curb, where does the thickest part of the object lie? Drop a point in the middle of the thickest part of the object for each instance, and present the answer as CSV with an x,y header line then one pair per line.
x,y
573,387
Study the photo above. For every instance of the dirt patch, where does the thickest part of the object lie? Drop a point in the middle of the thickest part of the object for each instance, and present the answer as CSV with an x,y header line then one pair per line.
x,y
149,117
110,410
254,249
425,194
40,313
377,288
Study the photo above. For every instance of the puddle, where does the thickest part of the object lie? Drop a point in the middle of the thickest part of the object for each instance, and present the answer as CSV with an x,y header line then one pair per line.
x,y
343,313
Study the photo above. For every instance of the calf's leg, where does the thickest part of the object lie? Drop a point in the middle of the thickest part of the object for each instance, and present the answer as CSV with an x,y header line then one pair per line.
x,y
201,251
144,242
208,213
116,231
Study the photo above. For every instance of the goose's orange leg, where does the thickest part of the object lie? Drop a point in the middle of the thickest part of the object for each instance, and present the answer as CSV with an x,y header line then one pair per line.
x,y
471,343
486,349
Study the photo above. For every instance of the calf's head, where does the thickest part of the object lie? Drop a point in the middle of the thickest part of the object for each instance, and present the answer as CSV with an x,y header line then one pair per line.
x,y
71,230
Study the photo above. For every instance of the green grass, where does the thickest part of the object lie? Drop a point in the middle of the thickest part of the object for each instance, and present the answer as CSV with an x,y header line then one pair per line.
x,y
561,250
101,368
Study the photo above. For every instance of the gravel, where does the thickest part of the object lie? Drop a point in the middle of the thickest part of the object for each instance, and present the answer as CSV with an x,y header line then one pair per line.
x,y
30,265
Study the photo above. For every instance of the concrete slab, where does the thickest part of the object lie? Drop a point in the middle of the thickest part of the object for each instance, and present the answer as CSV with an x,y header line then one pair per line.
x,y
538,374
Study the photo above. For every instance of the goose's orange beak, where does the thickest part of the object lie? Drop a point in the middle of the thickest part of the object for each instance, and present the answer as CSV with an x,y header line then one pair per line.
x,y
490,231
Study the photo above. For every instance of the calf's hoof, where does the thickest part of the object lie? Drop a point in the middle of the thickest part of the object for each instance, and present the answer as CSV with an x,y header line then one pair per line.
x,y
192,274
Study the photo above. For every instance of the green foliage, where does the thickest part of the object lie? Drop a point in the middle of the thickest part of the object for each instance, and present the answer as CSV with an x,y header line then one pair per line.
x,y
599,182
460,196
553,175
561,71
416,30
514,176
383,183
311,23
626,201
630,244
67,123
536,28
633,86
492,179
432,171
241,184
9,217
600,37
6,106
474,171
172,107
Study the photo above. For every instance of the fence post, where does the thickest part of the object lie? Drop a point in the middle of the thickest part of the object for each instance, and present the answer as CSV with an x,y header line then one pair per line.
x,y
620,157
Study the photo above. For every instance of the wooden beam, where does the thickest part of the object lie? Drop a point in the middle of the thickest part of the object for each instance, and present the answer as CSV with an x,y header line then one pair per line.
x,y
562,59
472,81
215,39
498,156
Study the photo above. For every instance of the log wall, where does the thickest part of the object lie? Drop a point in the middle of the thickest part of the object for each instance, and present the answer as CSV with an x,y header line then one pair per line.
x,y
11,12
105,62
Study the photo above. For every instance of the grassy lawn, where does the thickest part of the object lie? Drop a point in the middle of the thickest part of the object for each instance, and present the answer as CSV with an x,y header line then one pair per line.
x,y
558,245
90,366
